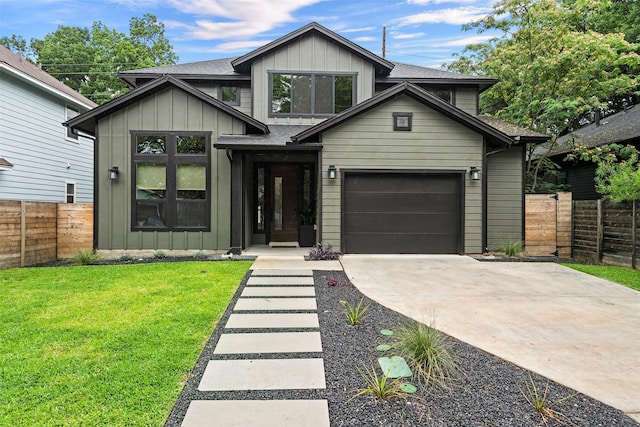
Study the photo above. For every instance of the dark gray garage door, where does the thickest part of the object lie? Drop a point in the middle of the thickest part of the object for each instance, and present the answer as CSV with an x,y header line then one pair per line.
x,y
407,213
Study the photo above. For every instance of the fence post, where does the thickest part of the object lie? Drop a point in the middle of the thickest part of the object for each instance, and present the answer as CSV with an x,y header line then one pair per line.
x,y
23,234
600,237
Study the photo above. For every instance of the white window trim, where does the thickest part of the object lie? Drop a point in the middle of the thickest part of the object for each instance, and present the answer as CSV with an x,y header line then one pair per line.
x,y
75,191
67,130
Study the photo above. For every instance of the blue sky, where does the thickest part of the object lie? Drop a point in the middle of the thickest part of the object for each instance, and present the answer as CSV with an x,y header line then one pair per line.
x,y
420,32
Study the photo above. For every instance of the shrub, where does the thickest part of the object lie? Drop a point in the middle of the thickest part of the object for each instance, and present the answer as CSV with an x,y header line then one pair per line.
x,y
125,257
159,254
429,352
333,281
200,255
322,252
86,257
355,313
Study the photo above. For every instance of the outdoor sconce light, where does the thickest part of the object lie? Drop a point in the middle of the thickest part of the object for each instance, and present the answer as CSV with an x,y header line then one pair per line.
x,y
475,173
113,173
332,172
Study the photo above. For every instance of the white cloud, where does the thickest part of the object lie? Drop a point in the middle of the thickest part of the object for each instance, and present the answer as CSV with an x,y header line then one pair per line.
x,y
238,18
425,2
357,30
405,36
365,39
453,16
244,45
464,41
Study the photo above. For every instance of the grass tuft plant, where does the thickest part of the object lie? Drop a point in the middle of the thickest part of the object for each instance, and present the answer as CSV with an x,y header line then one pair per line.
x,y
380,386
86,258
429,352
355,313
539,401
511,248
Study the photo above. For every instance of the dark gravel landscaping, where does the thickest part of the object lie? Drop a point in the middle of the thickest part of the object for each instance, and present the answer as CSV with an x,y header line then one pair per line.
x,y
487,395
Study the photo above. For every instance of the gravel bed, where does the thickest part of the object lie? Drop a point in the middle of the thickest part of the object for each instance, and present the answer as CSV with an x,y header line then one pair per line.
x,y
487,395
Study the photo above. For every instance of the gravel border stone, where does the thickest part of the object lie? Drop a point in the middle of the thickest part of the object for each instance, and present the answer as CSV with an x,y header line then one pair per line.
x,y
487,395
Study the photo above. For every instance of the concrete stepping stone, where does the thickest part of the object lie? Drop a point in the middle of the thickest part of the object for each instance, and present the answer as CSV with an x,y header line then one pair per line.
x,y
272,320
263,413
281,272
270,342
254,304
263,374
279,281
279,291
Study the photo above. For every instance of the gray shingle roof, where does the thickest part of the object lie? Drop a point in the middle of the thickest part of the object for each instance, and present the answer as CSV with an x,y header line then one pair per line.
x,y
211,67
514,131
622,128
20,64
278,136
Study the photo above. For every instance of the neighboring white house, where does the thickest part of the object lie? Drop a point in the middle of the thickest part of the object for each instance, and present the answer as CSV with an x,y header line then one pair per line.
x,y
40,160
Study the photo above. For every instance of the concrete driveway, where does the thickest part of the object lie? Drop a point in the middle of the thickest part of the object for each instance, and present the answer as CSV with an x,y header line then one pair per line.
x,y
576,329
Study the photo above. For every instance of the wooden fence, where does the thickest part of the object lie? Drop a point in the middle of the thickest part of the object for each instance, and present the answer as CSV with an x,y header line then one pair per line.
x,y
607,232
39,232
548,224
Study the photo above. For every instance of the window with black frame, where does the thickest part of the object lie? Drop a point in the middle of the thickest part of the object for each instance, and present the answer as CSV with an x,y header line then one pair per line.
x,y
311,94
171,190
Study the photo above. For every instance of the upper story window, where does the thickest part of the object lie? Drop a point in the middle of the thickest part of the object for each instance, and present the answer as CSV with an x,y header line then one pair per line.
x,y
445,94
311,93
171,185
229,94
70,113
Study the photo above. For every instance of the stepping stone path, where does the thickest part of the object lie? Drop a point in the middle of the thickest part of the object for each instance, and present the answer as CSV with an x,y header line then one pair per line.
x,y
271,300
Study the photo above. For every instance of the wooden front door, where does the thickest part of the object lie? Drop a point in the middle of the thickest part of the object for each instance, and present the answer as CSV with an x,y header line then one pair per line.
x,y
284,202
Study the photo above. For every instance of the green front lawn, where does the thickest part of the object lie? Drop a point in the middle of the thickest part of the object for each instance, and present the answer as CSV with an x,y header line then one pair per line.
x,y
625,276
105,345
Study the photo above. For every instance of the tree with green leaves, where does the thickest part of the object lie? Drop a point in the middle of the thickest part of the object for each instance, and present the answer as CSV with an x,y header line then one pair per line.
x,y
88,60
618,169
551,72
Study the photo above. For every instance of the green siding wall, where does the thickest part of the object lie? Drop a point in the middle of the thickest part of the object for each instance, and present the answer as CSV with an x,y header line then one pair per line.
x,y
168,110
504,196
369,142
467,100
311,53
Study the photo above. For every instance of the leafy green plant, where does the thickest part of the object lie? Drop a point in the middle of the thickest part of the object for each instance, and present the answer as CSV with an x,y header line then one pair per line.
x,y
159,254
381,387
86,258
429,352
511,247
539,401
199,255
355,313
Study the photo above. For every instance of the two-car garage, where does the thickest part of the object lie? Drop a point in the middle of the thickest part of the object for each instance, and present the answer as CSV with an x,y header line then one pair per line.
x,y
402,212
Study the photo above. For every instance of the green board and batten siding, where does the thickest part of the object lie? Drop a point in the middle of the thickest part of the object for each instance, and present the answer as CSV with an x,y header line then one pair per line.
x,y
504,196
311,53
168,110
436,142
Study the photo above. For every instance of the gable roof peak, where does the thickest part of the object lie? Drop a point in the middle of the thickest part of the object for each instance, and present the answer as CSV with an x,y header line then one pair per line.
x,y
243,63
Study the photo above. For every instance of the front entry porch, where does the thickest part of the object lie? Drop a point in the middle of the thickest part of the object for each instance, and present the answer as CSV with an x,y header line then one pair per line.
x,y
274,200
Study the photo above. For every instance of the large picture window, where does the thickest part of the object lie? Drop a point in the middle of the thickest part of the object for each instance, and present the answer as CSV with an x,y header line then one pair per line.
x,y
311,94
171,190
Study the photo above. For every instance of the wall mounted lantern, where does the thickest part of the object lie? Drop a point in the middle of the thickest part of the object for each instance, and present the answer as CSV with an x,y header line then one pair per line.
x,y
332,172
475,173
113,173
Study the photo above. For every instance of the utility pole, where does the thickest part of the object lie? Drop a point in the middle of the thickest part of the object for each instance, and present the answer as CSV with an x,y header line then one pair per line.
x,y
384,42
